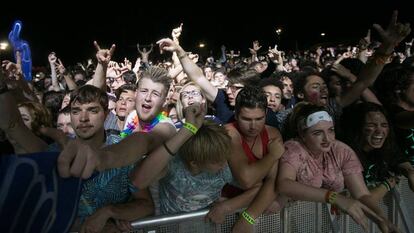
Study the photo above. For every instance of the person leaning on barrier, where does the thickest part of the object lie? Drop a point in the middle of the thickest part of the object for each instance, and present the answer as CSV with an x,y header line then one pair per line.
x,y
192,168
316,167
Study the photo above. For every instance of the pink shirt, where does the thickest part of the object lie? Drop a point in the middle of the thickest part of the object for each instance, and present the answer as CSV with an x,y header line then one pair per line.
x,y
327,171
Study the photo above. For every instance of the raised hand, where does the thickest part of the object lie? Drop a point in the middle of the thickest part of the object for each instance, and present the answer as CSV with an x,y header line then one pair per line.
x,y
61,68
194,57
104,55
176,32
256,47
167,44
395,32
194,114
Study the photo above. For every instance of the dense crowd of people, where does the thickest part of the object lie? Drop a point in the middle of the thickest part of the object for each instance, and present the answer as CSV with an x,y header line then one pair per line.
x,y
227,133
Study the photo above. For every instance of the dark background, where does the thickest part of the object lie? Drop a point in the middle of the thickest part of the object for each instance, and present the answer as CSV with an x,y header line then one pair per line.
x,y
70,28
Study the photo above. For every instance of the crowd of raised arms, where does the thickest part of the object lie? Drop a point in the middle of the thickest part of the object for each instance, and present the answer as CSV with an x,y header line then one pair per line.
x,y
227,133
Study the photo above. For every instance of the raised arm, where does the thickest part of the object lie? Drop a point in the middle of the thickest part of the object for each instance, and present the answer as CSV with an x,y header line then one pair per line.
x,y
66,75
52,62
104,57
367,95
391,37
22,138
190,68
155,163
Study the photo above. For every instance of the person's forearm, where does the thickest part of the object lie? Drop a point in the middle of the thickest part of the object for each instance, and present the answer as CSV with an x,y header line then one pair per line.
x,y
131,211
69,81
265,196
369,96
152,166
196,74
126,152
99,78
298,191
374,66
23,139
373,205
53,74
378,193
242,200
255,172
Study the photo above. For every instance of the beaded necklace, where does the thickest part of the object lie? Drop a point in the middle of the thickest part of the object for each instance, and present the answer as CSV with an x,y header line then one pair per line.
x,y
132,125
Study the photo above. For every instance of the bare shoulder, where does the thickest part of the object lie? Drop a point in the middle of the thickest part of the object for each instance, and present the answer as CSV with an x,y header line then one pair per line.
x,y
273,133
233,132
163,131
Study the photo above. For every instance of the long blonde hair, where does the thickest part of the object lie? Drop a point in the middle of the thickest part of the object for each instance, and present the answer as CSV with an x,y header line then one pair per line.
x,y
179,105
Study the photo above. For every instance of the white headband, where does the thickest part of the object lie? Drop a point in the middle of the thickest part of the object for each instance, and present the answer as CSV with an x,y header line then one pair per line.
x,y
316,117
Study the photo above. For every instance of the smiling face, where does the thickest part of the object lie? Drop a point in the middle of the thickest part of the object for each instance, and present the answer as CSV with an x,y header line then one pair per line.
x,y
315,91
375,131
150,98
319,137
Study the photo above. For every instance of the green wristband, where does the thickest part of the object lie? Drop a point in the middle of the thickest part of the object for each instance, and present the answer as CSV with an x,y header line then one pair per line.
x,y
190,127
248,218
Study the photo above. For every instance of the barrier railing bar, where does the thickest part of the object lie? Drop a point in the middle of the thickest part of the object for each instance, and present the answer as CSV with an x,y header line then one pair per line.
x,y
168,219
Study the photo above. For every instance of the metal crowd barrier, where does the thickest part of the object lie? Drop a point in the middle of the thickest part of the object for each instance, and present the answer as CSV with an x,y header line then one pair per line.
x,y
299,216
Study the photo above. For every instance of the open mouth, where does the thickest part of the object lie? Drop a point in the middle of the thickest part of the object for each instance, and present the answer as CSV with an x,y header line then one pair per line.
x,y
377,140
146,107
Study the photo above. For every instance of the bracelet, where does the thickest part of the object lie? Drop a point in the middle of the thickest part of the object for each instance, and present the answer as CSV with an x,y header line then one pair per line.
x,y
167,149
190,127
387,185
248,218
330,197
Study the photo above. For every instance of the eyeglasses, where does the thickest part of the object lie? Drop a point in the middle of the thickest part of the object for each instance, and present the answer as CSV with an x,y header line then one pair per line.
x,y
193,93
234,88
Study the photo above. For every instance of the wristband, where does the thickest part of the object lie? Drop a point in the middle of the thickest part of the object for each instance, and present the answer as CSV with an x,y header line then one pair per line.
x,y
190,127
248,218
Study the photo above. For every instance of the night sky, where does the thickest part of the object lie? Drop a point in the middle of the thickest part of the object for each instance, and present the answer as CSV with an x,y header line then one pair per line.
x,y
70,31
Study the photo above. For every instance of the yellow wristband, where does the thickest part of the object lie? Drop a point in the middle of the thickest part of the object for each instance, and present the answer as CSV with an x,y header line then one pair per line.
x,y
190,127
248,218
